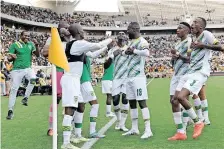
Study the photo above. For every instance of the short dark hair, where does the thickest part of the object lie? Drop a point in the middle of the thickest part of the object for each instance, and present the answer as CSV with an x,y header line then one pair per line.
x,y
203,21
22,33
186,24
135,24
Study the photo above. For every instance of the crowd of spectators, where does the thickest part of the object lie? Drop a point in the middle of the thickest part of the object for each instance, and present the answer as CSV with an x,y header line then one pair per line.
x,y
85,19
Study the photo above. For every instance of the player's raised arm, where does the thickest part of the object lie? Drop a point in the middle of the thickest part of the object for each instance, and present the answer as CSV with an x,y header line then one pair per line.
x,y
213,43
114,52
96,53
84,46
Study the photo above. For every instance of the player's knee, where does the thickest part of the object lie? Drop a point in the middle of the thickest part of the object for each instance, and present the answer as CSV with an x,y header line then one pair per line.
x,y
124,100
175,101
81,108
142,104
109,96
33,81
116,100
93,102
180,98
133,104
69,111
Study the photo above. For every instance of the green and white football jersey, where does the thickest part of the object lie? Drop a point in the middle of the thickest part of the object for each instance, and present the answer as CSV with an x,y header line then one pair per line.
x,y
120,65
181,67
200,57
136,63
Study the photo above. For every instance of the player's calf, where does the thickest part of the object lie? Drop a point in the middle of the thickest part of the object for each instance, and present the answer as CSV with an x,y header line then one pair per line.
x,y
186,104
78,119
93,118
146,117
66,127
109,113
28,92
117,110
134,118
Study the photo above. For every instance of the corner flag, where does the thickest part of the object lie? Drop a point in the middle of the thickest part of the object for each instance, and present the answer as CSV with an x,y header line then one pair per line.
x,y
56,53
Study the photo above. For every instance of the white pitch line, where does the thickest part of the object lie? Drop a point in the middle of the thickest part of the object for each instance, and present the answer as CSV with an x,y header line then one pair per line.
x,y
150,81
90,143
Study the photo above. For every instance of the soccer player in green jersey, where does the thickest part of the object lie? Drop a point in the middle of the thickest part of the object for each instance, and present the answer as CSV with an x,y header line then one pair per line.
x,y
197,74
20,52
119,80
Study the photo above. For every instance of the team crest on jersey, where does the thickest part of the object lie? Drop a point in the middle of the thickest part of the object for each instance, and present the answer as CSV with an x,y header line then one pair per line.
x,y
92,93
76,98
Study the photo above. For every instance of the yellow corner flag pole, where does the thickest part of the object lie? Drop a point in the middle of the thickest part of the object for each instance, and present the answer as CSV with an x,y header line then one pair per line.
x,y
58,58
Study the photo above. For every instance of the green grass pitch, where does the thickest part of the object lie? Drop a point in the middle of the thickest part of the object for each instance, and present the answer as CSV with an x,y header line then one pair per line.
x,y
28,128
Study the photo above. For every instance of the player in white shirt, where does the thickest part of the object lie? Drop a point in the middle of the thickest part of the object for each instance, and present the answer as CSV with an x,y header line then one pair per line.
x,y
198,72
119,80
136,90
70,81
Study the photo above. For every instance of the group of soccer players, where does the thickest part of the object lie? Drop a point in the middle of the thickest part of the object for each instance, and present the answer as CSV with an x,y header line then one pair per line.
x,y
125,78
191,61
124,65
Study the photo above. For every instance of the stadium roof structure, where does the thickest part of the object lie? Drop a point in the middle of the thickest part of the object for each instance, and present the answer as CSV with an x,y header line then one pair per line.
x,y
59,6
169,10
42,3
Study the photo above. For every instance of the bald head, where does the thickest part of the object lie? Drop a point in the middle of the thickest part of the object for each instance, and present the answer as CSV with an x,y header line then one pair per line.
x,y
63,24
202,22
76,30
133,30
